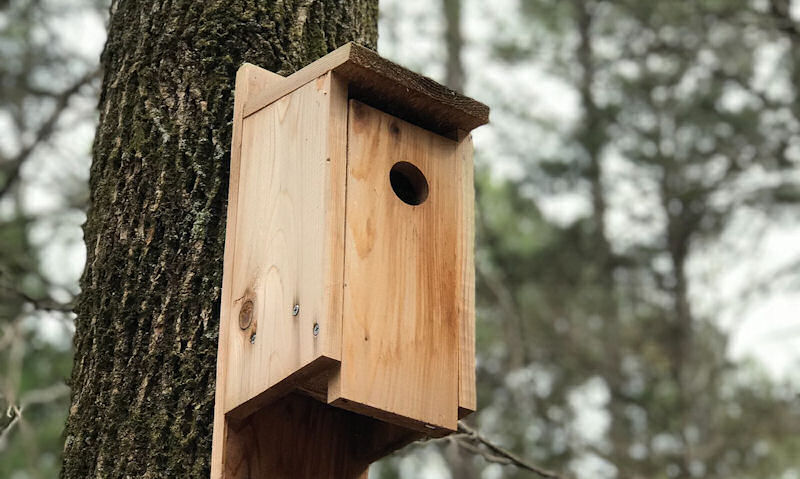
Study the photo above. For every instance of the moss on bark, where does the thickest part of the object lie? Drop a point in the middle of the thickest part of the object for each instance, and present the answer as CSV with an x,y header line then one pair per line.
x,y
146,332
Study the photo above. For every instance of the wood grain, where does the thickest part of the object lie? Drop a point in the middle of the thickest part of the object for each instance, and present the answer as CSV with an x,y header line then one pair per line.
x,y
387,86
467,398
404,277
313,221
290,205
249,79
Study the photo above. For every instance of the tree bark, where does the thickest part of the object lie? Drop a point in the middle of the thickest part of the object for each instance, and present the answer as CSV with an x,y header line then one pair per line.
x,y
148,315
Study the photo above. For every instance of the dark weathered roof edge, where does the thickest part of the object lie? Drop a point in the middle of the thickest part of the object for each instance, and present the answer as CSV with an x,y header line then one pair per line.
x,y
388,86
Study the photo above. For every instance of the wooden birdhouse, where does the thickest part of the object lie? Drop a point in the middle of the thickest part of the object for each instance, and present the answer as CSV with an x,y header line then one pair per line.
x,y
347,326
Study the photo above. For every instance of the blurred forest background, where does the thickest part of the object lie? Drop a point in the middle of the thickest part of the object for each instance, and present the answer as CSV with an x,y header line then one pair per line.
x,y
638,229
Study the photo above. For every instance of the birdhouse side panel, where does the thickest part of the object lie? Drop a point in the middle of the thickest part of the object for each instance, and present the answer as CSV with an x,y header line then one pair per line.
x,y
287,267
467,396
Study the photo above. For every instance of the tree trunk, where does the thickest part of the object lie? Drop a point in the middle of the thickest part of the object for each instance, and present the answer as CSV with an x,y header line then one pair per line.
x,y
148,314
593,136
454,72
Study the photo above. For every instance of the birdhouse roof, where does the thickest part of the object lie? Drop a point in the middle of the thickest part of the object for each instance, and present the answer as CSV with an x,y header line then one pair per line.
x,y
387,86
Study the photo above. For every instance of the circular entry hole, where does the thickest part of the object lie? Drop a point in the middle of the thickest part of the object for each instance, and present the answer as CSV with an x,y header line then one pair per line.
x,y
408,183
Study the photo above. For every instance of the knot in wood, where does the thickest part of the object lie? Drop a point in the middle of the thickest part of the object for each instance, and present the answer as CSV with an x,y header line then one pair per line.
x,y
246,315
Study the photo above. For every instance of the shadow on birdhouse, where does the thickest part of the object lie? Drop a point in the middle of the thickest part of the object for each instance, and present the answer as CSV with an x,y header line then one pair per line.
x,y
347,327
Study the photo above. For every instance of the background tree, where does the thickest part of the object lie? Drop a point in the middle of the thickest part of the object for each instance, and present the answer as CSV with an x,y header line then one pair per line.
x,y
47,93
148,312
669,148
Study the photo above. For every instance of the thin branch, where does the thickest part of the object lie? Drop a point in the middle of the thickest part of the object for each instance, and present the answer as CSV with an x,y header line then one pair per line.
x,y
470,439
47,304
37,396
4,433
43,133
42,304
486,455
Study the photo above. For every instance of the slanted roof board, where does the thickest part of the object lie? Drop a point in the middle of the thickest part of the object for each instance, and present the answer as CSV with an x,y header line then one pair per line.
x,y
387,86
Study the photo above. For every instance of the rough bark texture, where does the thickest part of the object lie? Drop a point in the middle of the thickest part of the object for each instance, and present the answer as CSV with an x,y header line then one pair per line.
x,y
146,332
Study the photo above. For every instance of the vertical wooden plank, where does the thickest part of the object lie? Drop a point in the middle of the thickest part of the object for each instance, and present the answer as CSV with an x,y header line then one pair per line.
x,y
335,196
467,398
291,194
249,79
403,277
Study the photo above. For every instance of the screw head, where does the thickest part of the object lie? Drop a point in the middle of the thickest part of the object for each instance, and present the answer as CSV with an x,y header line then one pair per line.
x,y
296,310
316,329
253,338
246,315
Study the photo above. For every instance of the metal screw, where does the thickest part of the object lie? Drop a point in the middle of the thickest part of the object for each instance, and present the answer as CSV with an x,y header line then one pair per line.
x,y
253,338
296,310
430,426
316,329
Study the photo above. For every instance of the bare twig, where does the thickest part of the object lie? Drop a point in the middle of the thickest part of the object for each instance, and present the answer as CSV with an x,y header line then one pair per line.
x,y
471,440
4,433
41,304
47,304
37,396
14,165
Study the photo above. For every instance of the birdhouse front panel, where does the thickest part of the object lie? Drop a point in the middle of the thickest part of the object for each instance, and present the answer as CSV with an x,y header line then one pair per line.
x,y
404,277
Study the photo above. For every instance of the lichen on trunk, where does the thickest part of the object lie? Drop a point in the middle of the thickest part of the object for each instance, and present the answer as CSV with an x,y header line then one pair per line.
x,y
146,331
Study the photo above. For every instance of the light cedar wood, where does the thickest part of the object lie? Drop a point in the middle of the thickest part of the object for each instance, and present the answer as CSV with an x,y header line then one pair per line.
x,y
310,72
405,273
288,242
386,86
249,79
467,398
313,221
